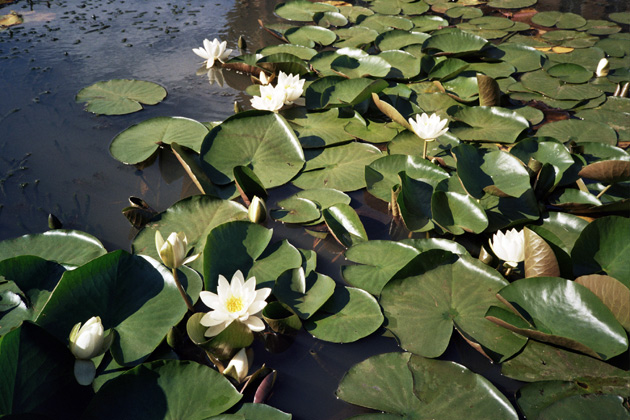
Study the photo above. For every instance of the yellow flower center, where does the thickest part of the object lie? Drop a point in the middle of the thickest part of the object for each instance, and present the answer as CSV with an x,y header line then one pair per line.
x,y
234,304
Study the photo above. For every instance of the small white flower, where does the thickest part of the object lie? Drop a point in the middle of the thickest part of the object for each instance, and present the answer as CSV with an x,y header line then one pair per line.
x,y
428,128
509,246
212,51
238,366
291,85
236,301
87,341
173,251
602,68
257,211
270,99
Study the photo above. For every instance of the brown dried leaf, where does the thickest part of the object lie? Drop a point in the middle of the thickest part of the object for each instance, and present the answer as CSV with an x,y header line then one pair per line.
x,y
540,261
614,294
607,171
391,112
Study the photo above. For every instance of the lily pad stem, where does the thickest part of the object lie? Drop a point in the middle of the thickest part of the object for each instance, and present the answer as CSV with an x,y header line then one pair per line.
x,y
603,191
182,291
424,150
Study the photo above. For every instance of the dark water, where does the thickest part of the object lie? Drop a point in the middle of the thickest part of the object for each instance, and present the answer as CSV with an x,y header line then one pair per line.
x,y
54,156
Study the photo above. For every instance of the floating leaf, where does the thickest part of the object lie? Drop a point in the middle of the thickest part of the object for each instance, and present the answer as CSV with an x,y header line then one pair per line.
x,y
397,39
296,210
349,315
439,291
570,73
455,42
561,312
139,142
411,386
613,293
602,247
539,81
337,91
579,131
309,35
303,294
301,10
261,139
540,260
102,288
493,124
338,167
67,247
176,389
607,171
120,96
345,225
320,129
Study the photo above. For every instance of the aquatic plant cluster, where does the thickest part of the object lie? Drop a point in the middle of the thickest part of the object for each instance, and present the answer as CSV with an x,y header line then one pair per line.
x,y
496,142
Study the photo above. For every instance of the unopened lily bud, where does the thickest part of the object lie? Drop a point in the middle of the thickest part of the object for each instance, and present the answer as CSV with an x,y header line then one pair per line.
x,y
87,341
602,68
238,366
257,211
173,250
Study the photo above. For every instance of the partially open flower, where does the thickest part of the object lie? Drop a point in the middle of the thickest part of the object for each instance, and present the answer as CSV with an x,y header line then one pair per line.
x,y
257,211
509,246
602,68
236,301
173,250
238,366
86,342
428,128
213,51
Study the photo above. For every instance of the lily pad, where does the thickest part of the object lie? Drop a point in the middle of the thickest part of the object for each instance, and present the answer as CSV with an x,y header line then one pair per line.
x,y
570,73
441,290
120,96
579,131
455,42
308,36
539,81
411,386
493,124
302,10
102,287
320,129
547,310
522,57
337,91
175,389
345,225
349,315
613,293
296,210
397,39
304,294
261,139
139,142
338,167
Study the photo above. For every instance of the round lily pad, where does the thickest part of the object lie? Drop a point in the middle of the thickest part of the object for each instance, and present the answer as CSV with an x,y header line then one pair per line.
x,y
579,131
570,73
296,210
493,124
120,96
302,10
511,4
310,35
262,140
455,42
138,142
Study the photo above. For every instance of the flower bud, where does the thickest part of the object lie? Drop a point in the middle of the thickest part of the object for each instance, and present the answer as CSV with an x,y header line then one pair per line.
x,y
238,366
87,341
173,250
602,68
257,211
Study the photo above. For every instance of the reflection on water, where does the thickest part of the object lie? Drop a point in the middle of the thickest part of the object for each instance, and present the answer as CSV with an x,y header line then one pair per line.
x,y
54,156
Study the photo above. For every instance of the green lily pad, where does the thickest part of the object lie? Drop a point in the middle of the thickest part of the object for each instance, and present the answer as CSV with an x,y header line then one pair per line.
x,y
371,131
546,309
338,167
308,36
493,124
175,389
397,39
570,39
539,81
464,12
354,13
620,17
326,19
259,411
455,42
570,73
345,225
600,27
301,10
337,91
428,23
275,260
511,4
320,129
296,210
615,113
261,139
441,290
349,315
381,23
101,287
585,407
579,131
559,20
120,96
522,57
304,294
549,152
356,67
29,282
67,247
196,216
602,247
34,363
410,386
403,64
496,172
300,51
139,142
354,37
324,198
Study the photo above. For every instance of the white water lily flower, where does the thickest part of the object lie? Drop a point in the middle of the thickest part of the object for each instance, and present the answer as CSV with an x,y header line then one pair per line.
x,y
428,128
602,68
238,366
270,99
87,341
173,250
236,301
212,51
291,85
509,246
264,80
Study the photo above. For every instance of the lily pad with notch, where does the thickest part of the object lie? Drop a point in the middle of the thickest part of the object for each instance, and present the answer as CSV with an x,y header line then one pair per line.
x,y
120,96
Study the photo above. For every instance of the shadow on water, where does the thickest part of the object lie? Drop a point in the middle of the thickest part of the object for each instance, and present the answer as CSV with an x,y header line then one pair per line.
x,y
54,156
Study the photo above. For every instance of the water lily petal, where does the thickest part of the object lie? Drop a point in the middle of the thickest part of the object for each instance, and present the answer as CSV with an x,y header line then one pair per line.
x,y
254,323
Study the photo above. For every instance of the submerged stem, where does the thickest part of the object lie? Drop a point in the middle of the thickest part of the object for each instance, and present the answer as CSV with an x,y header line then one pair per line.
x,y
182,291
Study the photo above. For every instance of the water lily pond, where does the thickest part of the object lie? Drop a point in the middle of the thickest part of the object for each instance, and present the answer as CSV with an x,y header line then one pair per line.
x,y
268,210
